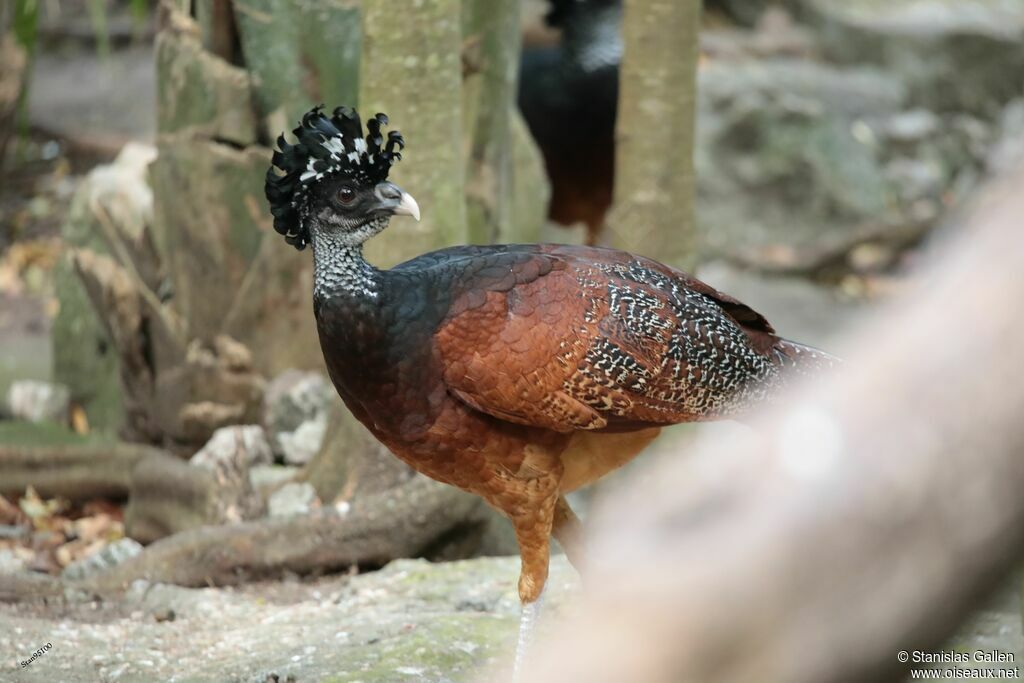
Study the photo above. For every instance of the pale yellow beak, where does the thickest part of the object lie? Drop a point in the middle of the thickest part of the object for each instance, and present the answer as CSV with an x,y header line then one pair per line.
x,y
407,206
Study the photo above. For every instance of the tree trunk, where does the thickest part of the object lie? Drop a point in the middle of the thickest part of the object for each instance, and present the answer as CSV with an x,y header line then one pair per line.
x,y
408,58
505,185
351,461
301,54
653,210
412,71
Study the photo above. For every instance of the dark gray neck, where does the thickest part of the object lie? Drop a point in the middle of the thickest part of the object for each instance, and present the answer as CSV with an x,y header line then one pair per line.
x,y
340,270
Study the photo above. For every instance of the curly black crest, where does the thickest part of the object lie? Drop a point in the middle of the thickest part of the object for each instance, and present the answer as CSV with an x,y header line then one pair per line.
x,y
326,147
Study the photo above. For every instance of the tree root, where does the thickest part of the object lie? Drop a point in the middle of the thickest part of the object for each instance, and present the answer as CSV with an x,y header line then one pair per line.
x,y
72,471
29,586
401,522
169,496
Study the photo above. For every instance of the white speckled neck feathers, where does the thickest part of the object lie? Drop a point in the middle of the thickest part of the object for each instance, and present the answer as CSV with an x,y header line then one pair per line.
x,y
340,269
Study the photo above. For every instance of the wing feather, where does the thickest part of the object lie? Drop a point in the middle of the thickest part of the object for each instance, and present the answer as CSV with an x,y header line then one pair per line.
x,y
601,340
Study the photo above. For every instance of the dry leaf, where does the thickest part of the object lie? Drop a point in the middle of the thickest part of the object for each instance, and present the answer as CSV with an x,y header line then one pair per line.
x,y
11,513
77,550
101,526
60,535
36,508
79,420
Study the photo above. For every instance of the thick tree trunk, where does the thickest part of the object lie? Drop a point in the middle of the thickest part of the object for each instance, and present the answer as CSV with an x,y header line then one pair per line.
x,y
301,54
653,210
412,71
351,462
408,58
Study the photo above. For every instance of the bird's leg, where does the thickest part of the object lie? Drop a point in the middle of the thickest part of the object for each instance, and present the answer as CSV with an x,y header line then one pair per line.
x,y
533,532
528,619
568,531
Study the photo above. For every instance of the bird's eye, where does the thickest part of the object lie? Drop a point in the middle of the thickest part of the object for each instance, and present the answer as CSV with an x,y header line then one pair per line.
x,y
346,195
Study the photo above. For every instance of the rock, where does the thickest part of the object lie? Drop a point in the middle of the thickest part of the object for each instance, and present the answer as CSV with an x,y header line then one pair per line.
x,y
1007,152
784,158
996,625
264,478
295,410
37,401
164,614
234,448
914,179
11,562
113,554
299,446
229,455
448,621
295,498
798,162
925,41
911,126
293,397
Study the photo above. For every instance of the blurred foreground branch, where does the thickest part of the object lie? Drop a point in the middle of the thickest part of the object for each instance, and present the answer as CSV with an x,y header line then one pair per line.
x,y
868,516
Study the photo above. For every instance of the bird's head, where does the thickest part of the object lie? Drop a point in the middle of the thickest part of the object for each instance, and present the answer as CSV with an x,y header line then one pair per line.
x,y
334,181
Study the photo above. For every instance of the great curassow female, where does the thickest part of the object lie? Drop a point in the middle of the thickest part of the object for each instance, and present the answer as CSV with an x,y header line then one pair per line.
x,y
516,372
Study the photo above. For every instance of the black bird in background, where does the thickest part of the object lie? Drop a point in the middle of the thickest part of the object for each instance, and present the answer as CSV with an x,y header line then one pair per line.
x,y
568,95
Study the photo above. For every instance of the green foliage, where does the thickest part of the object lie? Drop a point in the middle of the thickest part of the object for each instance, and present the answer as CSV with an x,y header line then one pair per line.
x,y
26,31
139,10
26,23
98,19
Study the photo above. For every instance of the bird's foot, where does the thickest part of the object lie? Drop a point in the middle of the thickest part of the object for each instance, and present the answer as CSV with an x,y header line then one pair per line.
x,y
527,624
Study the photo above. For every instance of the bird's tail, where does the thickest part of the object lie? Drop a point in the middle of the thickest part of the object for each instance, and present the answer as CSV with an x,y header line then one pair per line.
x,y
801,359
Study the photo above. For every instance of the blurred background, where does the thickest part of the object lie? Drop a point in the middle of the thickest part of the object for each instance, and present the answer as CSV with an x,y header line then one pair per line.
x,y
160,375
